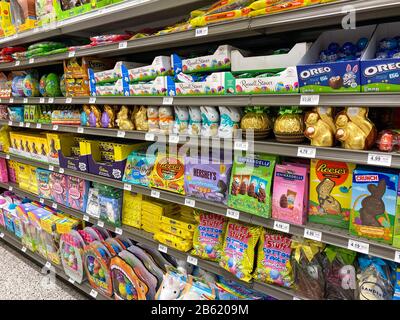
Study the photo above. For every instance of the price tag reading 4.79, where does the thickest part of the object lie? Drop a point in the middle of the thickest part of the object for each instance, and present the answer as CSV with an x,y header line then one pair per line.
x,y
306,152
358,246
377,159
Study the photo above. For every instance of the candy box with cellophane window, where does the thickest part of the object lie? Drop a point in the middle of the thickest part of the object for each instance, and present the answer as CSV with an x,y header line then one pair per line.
x,y
217,83
373,205
71,250
332,64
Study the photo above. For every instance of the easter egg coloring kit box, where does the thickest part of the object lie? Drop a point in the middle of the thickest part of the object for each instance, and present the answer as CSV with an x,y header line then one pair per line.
x,y
330,192
336,76
380,66
250,186
374,203
290,193
285,79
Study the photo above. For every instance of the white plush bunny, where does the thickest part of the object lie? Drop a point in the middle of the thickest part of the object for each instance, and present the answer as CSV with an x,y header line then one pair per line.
x,y
171,288
230,118
194,121
209,121
181,120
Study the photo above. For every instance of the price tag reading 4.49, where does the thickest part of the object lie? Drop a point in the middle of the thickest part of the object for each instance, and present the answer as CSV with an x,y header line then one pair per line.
x,y
306,152
358,246
281,226
377,159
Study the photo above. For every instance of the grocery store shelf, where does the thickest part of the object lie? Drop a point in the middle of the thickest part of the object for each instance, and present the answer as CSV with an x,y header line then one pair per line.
x,y
309,17
146,238
13,241
332,100
330,235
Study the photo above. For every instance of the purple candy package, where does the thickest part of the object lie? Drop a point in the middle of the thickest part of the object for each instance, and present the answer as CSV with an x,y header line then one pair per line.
x,y
78,190
58,187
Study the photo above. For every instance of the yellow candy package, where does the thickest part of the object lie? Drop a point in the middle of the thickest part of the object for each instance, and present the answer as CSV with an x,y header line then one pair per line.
x,y
273,259
209,235
237,254
132,209
261,4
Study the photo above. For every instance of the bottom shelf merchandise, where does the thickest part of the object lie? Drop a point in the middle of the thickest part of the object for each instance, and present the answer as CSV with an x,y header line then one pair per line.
x,y
124,269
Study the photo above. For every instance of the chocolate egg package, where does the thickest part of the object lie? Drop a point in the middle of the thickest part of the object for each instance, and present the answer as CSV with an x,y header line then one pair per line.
x,y
307,267
71,247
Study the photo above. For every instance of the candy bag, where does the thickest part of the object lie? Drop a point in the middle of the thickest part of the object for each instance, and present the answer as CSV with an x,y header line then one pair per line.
x,y
307,268
375,278
209,235
340,274
273,259
237,255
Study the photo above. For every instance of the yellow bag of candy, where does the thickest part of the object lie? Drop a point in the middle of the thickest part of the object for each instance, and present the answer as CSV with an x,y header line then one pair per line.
x,y
280,7
132,209
261,4
209,235
273,259
238,252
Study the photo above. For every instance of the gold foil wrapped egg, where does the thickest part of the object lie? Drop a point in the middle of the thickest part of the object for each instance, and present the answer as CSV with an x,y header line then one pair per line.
x,y
289,128
255,121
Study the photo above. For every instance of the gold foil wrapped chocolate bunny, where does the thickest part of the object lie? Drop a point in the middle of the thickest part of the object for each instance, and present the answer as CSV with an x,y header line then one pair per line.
x,y
354,129
289,126
320,127
123,121
139,118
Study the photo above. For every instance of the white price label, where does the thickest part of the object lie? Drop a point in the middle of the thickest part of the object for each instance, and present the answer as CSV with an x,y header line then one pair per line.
x,y
118,231
358,246
25,100
281,226
72,281
127,187
7,156
54,205
162,248
10,188
31,60
149,136
168,101
377,159
10,123
21,124
55,127
123,45
17,63
155,194
51,168
190,203
296,298
192,260
201,32
28,124
306,152
80,130
93,293
397,256
38,125
312,234
2,235
11,100
41,100
61,170
234,214
48,265
309,100
86,218
71,54
241,146
100,223
23,249
173,139
41,200
68,100
121,134
92,100
51,100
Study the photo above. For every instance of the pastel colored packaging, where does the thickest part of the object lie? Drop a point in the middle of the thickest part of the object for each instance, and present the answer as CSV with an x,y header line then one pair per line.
x,y
330,192
250,185
208,179
58,187
373,205
77,193
209,236
237,255
43,178
289,196
273,259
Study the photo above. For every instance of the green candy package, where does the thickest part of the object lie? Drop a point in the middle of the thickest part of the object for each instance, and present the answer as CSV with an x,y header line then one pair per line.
x,y
250,187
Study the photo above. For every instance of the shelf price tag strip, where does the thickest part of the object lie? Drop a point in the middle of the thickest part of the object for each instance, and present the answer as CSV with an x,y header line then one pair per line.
x,y
233,214
376,159
312,234
358,246
306,152
309,100
162,248
281,226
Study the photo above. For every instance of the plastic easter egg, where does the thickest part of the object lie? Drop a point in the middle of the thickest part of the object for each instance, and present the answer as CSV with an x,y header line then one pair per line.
x,y
349,48
53,85
388,44
274,274
129,289
62,86
30,86
362,44
323,56
122,289
334,47
42,86
101,273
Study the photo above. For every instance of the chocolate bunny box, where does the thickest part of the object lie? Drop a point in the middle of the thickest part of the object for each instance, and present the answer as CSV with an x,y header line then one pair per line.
x,y
373,205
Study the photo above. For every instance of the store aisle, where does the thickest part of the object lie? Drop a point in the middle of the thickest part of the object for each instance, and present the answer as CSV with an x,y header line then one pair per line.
x,y
21,279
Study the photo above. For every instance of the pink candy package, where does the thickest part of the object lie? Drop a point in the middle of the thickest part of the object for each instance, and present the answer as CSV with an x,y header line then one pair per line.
x,y
290,193
3,171
58,188
77,193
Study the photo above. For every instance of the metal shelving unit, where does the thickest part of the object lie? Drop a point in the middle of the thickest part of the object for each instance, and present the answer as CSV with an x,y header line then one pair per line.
x,y
330,235
141,236
85,288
